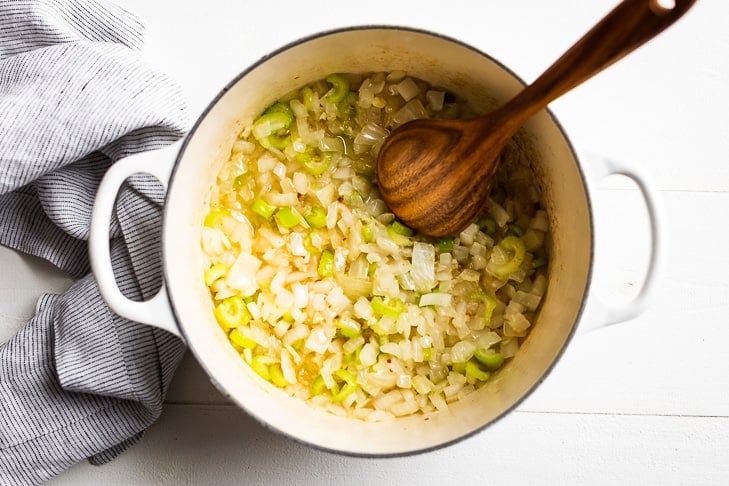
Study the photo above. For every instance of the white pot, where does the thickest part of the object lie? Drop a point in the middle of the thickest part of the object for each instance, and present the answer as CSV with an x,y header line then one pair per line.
x,y
184,305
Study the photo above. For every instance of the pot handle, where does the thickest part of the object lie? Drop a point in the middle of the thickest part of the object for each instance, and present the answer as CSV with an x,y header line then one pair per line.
x,y
156,311
604,313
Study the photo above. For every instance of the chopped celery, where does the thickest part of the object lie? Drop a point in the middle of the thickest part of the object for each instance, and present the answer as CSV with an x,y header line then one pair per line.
x,y
232,312
489,358
346,391
316,216
364,167
215,272
261,367
286,218
514,247
262,208
277,376
399,228
459,367
349,328
326,264
488,225
514,229
309,246
392,308
283,109
318,386
314,160
304,176
276,141
215,217
473,371
239,181
279,142
445,245
489,302
349,101
399,240
354,199
350,385
346,376
240,341
368,233
340,88
400,234
307,97
272,128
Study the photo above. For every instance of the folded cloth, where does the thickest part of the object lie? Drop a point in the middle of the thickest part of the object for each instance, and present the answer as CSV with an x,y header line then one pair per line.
x,y
78,381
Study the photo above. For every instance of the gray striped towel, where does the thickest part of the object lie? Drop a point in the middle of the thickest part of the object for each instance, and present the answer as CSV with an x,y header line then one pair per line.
x,y
78,381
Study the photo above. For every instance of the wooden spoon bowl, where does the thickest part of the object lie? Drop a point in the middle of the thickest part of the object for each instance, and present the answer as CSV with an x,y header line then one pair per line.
x,y
436,175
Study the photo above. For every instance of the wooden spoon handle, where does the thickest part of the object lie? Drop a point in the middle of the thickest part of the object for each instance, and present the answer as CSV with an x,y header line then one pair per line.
x,y
628,26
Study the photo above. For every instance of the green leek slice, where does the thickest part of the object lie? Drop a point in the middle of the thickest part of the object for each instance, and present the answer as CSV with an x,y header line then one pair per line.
x,y
340,88
232,312
286,218
392,308
326,264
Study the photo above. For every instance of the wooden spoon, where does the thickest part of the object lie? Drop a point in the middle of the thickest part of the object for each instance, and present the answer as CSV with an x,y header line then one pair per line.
x,y
435,175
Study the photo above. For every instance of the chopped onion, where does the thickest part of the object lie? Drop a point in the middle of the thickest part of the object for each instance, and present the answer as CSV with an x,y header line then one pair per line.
x,y
435,99
387,323
498,213
242,274
354,288
540,285
540,222
279,170
267,162
509,347
468,235
287,366
423,266
297,333
371,134
413,110
462,351
408,89
368,354
212,241
353,344
518,322
530,301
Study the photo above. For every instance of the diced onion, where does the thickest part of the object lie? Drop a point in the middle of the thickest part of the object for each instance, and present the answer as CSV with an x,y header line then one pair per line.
x,y
317,341
423,266
328,295
439,299
407,89
435,99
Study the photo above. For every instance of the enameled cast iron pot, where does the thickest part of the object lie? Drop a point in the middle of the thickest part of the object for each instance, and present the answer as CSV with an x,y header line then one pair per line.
x,y
184,305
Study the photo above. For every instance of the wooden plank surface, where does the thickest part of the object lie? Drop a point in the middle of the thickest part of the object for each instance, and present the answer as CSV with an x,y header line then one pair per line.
x,y
226,447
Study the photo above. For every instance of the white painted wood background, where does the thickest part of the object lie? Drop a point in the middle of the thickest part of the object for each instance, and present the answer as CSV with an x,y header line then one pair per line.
x,y
643,402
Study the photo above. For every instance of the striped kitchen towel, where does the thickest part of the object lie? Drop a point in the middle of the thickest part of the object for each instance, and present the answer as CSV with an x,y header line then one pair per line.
x,y
78,381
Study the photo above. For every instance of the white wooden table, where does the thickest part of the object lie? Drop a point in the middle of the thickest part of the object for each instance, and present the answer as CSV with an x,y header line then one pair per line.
x,y
643,402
